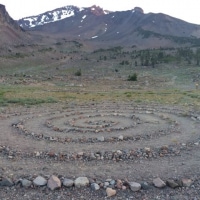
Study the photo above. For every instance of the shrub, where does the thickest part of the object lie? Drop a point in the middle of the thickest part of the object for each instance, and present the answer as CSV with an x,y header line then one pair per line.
x,y
132,77
78,73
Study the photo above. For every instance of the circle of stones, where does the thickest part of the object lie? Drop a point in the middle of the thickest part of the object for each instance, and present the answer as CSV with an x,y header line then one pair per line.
x,y
97,115
95,121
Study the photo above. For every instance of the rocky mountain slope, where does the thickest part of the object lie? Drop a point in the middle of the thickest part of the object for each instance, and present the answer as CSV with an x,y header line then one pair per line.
x,y
10,31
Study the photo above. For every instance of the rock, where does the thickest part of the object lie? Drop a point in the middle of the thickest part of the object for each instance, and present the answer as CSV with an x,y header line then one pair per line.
x,y
106,184
121,137
101,185
110,192
135,186
19,126
10,157
123,187
172,184
159,183
147,149
68,182
92,156
108,179
81,181
40,181
180,183
37,154
54,183
186,182
100,139
145,186
95,186
91,180
193,118
6,182
119,184
112,182
26,183
80,154
119,152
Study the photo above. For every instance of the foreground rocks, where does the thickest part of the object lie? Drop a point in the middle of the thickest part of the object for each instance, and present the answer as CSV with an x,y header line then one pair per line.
x,y
159,183
81,182
110,186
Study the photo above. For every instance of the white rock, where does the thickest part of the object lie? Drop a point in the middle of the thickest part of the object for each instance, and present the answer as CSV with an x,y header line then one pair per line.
x,y
119,152
37,154
121,137
81,181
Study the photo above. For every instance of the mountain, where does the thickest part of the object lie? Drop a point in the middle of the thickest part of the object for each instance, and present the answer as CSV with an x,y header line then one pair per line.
x,y
58,15
131,27
10,31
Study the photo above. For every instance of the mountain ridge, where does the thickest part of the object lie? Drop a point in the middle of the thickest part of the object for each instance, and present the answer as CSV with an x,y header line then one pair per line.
x,y
94,24
121,27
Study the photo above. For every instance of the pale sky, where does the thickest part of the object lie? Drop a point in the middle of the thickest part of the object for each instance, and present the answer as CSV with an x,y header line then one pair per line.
x,y
188,10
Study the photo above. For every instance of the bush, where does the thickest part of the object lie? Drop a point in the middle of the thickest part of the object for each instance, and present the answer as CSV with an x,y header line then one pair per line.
x,y
132,77
78,73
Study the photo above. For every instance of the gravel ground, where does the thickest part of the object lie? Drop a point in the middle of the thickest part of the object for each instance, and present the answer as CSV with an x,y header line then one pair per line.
x,y
107,140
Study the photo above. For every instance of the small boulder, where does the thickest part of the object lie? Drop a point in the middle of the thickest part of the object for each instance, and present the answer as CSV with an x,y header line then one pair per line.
x,y
54,183
40,181
81,182
6,182
112,182
135,186
186,182
145,186
100,139
121,137
110,192
26,183
159,183
68,182
119,184
95,186
106,184
172,183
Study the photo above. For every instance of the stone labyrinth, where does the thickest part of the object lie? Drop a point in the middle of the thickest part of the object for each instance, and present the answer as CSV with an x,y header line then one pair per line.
x,y
106,132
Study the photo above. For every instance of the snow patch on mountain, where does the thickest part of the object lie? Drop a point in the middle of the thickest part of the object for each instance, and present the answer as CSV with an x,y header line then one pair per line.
x,y
48,17
94,37
58,15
